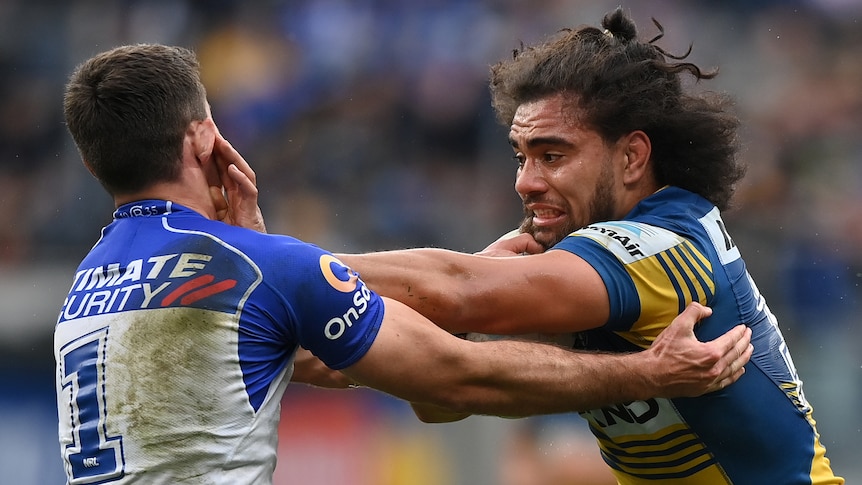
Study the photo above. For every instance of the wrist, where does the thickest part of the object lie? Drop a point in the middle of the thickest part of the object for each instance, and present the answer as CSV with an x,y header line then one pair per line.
x,y
645,375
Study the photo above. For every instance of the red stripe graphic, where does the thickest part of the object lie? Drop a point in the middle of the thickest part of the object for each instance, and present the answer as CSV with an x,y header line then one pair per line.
x,y
207,291
197,289
187,287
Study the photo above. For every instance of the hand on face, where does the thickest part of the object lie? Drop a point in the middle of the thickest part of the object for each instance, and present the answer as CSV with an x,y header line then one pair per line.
x,y
236,200
512,244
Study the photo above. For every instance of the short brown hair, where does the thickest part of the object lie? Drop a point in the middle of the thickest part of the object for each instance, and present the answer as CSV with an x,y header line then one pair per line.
x,y
127,110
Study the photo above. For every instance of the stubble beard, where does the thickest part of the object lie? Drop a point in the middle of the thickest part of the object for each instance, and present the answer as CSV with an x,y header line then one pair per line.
x,y
602,208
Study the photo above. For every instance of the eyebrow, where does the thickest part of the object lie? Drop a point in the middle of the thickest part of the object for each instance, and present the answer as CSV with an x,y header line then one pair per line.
x,y
544,140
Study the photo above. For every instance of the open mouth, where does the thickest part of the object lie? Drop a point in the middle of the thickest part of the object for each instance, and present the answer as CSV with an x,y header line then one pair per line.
x,y
548,217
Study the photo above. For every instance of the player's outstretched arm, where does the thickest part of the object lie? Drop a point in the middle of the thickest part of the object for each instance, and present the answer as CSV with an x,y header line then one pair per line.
x,y
678,353
517,378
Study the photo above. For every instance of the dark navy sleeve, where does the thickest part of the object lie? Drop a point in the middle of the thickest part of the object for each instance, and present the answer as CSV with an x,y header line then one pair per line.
x,y
622,294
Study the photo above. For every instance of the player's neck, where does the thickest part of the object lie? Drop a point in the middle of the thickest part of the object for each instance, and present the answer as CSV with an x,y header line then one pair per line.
x,y
177,192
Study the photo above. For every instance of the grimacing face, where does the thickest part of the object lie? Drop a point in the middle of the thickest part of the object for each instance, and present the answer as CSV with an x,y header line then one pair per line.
x,y
566,177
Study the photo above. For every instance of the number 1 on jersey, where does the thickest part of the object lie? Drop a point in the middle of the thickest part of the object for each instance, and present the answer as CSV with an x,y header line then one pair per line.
x,y
93,456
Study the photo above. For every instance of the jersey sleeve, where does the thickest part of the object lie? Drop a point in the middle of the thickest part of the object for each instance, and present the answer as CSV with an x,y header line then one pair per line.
x,y
333,313
650,273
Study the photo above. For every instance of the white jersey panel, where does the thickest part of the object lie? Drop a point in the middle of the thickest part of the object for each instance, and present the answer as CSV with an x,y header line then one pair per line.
x,y
143,412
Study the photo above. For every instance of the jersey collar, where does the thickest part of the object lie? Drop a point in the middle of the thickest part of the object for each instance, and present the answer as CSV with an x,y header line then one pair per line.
x,y
146,208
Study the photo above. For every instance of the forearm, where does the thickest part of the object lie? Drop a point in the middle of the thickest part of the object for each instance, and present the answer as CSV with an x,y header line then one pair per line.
x,y
676,365
413,359
550,379
473,293
431,281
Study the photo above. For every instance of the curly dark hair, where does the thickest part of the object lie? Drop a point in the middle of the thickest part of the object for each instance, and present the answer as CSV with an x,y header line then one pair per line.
x,y
617,85
127,110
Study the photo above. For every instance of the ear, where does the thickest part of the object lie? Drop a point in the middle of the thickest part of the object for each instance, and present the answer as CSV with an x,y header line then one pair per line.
x,y
638,152
200,139
203,134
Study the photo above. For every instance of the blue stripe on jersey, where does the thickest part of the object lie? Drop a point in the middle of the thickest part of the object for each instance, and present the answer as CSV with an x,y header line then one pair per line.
x,y
698,268
659,475
683,267
644,464
690,439
681,299
654,468
759,430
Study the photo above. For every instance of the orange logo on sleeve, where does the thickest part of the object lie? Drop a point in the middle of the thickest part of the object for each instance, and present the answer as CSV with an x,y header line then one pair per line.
x,y
334,271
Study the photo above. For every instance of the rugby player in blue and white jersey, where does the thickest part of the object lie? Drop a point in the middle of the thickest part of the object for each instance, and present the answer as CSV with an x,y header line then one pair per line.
x,y
180,330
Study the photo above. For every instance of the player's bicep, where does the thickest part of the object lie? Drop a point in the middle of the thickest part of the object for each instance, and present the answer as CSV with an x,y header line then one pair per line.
x,y
553,292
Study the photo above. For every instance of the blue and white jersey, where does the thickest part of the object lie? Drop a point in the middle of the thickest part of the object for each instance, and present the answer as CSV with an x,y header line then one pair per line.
x,y
673,249
176,342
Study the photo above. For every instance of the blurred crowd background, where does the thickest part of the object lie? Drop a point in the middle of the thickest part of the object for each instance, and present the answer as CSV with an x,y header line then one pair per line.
x,y
369,125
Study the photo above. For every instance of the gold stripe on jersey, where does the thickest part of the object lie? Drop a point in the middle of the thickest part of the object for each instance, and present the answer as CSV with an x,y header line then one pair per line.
x,y
666,282
646,437
710,475
821,471
672,452
794,393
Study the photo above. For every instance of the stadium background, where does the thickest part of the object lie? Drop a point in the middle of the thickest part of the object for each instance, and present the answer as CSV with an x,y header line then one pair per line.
x,y
368,123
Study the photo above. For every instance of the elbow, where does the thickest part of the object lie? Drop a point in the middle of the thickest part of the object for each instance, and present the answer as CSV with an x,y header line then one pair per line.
x,y
465,308
431,414
448,306
454,404
457,396
452,388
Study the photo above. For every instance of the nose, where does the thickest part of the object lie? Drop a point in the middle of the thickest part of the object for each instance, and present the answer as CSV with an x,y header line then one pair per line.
x,y
529,179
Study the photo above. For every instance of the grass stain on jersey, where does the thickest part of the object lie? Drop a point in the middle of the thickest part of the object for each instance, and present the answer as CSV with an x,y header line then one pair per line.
x,y
168,387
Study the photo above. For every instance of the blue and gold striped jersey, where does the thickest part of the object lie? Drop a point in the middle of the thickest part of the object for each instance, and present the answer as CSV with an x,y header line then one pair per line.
x,y
670,250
